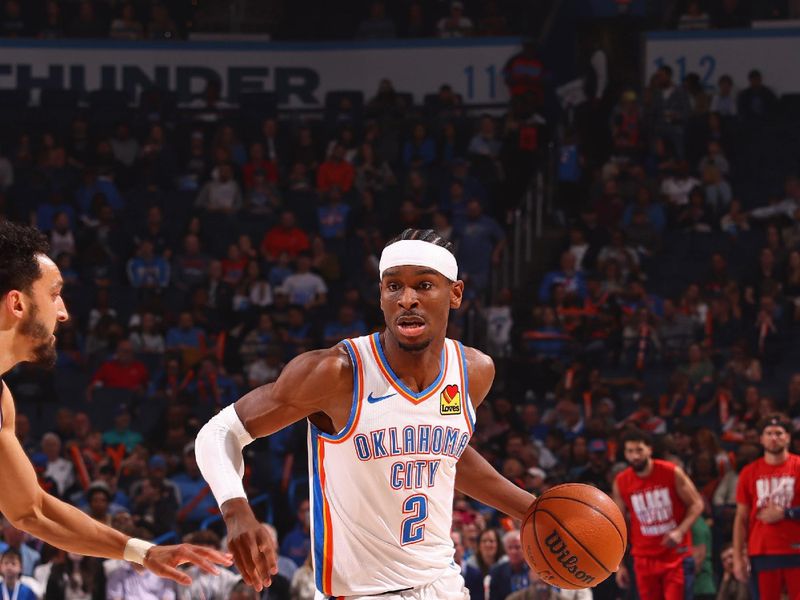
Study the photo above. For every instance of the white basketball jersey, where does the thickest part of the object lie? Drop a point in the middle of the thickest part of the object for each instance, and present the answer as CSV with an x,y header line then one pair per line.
x,y
382,488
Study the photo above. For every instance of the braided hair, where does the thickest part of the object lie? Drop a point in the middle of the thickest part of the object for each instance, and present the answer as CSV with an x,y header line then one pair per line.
x,y
423,235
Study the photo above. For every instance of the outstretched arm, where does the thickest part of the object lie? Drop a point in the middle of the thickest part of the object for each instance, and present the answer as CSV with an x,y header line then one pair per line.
x,y
317,385
478,479
474,475
31,509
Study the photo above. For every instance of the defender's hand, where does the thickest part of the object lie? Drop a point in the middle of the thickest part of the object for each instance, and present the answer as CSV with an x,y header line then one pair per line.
x,y
163,560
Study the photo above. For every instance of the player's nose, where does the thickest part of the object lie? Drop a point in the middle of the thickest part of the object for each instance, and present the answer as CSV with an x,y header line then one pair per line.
x,y
61,311
408,298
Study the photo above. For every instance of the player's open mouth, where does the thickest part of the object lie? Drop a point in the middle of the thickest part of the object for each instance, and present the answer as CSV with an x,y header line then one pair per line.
x,y
411,326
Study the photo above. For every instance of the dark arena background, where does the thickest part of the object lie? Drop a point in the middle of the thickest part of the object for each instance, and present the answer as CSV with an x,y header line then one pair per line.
x,y
217,181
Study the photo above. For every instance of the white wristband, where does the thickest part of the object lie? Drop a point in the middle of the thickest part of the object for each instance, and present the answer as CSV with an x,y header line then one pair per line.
x,y
136,550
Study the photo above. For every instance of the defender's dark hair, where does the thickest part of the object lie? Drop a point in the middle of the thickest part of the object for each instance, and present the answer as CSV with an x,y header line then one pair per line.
x,y
637,435
19,246
424,235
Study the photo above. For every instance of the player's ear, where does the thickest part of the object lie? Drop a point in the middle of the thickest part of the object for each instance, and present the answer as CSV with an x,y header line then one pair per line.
x,y
456,294
14,303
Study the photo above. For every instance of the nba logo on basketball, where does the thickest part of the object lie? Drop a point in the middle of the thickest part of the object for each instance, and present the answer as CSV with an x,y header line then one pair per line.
x,y
450,401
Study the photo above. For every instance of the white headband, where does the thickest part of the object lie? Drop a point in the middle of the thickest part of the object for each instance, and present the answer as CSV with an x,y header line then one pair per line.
x,y
419,254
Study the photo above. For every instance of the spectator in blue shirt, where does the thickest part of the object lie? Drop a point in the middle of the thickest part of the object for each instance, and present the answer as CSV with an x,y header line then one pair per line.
x,y
573,280
185,334
473,188
297,543
510,575
656,215
92,185
455,204
420,150
280,270
212,386
480,244
13,540
297,335
547,339
107,476
148,270
257,340
11,569
196,500
347,325
190,340
332,217
46,213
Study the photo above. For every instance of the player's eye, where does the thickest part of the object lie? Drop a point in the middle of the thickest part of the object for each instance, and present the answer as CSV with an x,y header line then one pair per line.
x,y
392,287
426,285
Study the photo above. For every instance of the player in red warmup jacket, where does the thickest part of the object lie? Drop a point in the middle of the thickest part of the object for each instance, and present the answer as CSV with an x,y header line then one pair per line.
x,y
662,504
768,516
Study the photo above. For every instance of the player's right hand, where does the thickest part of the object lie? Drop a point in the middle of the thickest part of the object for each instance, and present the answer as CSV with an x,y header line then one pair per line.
x,y
623,577
251,544
164,560
741,569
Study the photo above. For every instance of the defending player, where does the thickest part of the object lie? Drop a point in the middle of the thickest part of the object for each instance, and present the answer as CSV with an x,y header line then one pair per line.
x,y
30,307
768,516
662,504
390,416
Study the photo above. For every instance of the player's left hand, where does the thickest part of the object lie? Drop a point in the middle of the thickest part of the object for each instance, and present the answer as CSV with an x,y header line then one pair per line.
x,y
771,513
163,560
672,539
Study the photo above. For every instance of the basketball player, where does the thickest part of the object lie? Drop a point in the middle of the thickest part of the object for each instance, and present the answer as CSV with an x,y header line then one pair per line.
x,y
662,503
390,418
768,516
30,307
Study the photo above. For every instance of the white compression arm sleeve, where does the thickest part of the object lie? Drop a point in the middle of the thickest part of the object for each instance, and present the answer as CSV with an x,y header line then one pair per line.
x,y
218,450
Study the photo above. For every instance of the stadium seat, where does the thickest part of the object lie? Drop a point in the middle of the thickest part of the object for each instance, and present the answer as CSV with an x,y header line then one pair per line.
x,y
14,99
789,105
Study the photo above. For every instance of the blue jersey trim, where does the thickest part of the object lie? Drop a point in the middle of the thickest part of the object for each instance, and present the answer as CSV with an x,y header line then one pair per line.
x,y
318,515
356,398
468,402
398,382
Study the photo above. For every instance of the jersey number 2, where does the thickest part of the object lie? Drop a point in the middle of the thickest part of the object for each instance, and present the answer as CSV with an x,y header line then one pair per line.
x,y
413,527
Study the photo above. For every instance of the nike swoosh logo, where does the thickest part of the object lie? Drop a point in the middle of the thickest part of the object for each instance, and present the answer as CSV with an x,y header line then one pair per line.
x,y
372,399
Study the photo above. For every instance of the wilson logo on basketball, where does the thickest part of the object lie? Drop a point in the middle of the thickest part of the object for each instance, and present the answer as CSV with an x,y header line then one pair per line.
x,y
450,401
558,548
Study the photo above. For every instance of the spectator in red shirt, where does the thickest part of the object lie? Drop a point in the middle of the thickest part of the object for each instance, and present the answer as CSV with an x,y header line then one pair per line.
x,y
284,237
336,171
122,372
234,265
258,162
523,75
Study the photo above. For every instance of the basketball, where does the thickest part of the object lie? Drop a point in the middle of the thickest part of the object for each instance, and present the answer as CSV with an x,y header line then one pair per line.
x,y
574,536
